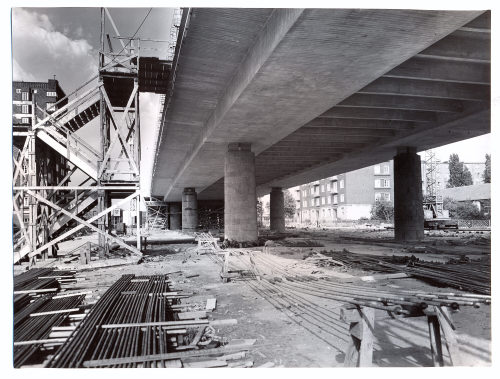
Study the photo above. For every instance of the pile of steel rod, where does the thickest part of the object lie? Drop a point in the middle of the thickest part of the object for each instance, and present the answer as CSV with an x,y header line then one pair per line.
x,y
129,300
395,301
468,276
471,276
34,323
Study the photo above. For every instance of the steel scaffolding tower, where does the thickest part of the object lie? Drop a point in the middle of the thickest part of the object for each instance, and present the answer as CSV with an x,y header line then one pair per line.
x,y
112,170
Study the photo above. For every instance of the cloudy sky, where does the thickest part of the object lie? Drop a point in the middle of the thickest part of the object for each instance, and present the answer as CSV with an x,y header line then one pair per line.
x,y
65,42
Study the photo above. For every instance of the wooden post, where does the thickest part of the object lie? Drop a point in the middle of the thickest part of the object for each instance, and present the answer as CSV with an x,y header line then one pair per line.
x,y
138,221
435,337
451,341
225,269
359,352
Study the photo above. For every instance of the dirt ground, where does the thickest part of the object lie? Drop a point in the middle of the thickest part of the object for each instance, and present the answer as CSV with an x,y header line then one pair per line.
x,y
289,335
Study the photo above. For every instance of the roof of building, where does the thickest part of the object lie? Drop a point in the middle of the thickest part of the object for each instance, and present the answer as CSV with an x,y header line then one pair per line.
x,y
474,192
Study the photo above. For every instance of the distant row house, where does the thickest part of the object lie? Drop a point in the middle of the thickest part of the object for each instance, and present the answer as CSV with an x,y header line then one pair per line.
x,y
350,196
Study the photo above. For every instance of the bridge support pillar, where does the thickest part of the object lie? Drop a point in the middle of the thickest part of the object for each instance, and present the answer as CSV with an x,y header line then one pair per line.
x,y
189,210
408,208
277,210
240,199
175,216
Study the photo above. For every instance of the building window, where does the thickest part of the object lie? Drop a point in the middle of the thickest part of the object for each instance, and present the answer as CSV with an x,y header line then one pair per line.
x,y
328,187
322,188
329,200
335,199
377,183
50,107
25,96
323,200
52,94
386,183
18,90
35,91
312,190
341,197
305,203
26,219
25,120
335,187
316,201
316,189
386,169
387,196
26,201
304,192
342,183
377,169
25,109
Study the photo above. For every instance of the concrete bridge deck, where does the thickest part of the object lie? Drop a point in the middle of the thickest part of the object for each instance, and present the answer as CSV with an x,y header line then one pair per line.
x,y
318,92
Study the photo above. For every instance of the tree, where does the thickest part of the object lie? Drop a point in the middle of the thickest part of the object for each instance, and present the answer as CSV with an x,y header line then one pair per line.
x,y
290,204
463,210
487,169
382,210
459,174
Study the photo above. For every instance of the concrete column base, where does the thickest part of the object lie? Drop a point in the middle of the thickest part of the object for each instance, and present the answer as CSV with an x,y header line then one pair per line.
x,y
175,216
189,210
277,210
408,207
240,199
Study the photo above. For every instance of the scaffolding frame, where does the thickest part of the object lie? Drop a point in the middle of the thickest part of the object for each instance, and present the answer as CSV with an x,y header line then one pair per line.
x,y
113,170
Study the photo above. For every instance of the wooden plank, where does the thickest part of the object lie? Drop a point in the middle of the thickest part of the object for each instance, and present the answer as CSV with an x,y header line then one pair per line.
x,y
450,337
192,315
366,347
63,295
206,364
54,312
211,304
35,342
198,336
172,323
36,291
435,341
158,357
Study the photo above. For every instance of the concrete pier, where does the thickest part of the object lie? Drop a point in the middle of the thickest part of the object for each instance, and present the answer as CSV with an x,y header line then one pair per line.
x,y
240,200
175,216
408,209
189,210
277,209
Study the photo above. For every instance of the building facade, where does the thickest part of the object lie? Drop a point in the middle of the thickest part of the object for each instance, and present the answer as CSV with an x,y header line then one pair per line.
x,y
37,99
348,196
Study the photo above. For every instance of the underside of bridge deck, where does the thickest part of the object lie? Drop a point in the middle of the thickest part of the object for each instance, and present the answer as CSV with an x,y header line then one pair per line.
x,y
319,92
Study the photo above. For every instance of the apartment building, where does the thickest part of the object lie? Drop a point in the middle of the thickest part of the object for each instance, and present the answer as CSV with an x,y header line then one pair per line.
x,y
36,99
347,196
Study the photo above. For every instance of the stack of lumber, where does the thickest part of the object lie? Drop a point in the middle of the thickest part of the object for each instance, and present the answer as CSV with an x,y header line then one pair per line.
x,y
139,322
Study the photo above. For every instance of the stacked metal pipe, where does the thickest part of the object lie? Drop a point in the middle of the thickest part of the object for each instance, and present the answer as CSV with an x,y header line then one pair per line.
x,y
35,322
129,300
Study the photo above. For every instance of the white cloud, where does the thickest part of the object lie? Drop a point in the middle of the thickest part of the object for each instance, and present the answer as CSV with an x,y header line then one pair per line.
x,y
40,51
19,74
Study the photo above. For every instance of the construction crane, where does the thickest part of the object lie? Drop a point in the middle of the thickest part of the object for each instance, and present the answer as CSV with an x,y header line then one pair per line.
x,y
435,216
